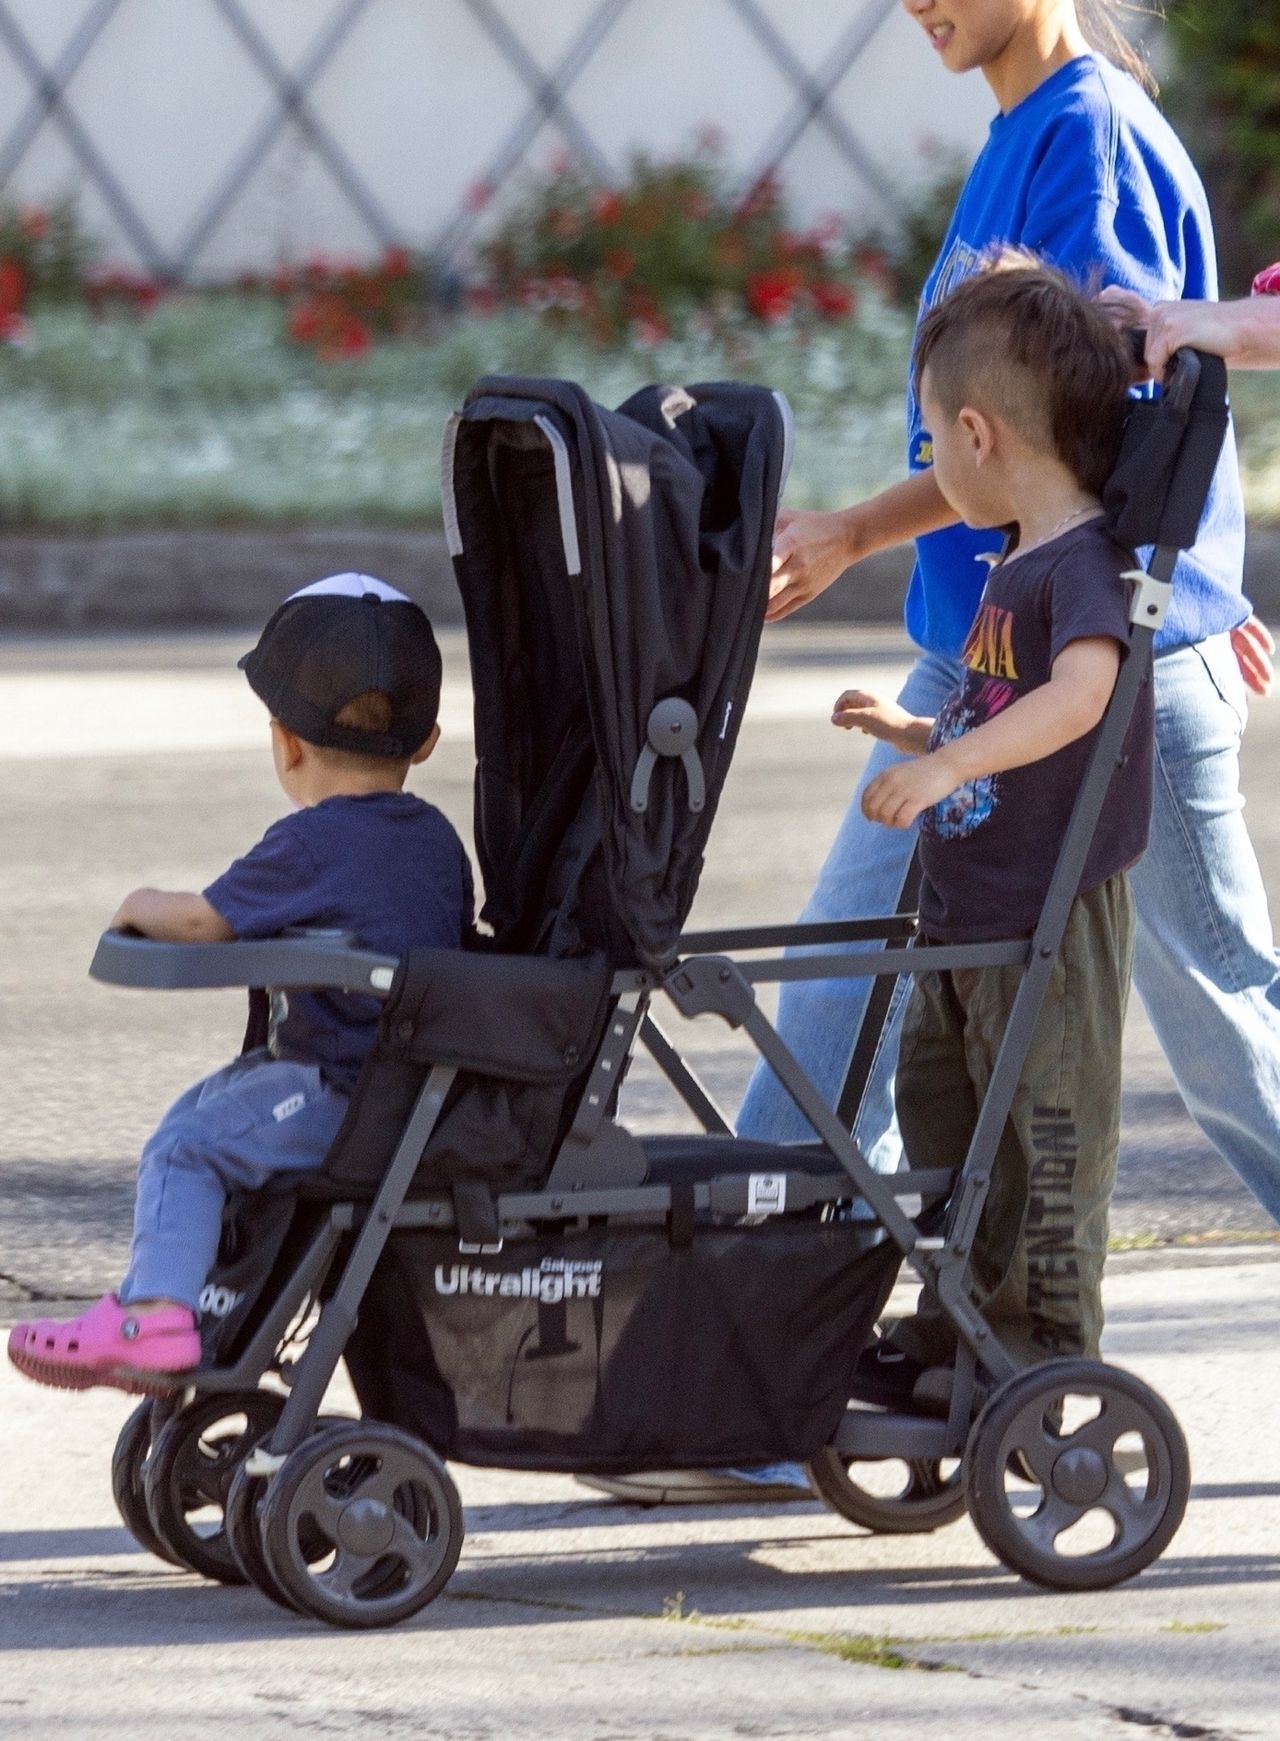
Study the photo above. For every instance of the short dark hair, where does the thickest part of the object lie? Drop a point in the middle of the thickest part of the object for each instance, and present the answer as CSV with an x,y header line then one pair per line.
x,y
1020,341
373,712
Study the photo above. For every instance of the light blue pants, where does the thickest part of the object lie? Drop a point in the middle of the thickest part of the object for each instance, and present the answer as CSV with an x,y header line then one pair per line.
x,y
1205,966
255,1120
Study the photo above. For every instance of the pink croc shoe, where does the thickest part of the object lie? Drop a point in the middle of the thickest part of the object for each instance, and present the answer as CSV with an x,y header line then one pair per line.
x,y
109,1344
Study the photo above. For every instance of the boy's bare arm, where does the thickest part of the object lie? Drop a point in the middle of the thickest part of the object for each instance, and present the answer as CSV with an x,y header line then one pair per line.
x,y
1037,725
859,710
172,917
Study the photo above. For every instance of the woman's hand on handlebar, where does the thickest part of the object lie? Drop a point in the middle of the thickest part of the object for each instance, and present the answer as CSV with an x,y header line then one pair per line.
x,y
1246,333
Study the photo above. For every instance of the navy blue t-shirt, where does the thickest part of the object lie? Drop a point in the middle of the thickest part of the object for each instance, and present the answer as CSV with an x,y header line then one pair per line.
x,y
988,850
385,866
1087,173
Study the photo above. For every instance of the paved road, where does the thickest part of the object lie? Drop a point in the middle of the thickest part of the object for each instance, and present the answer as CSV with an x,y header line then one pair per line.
x,y
124,761
143,760
572,1619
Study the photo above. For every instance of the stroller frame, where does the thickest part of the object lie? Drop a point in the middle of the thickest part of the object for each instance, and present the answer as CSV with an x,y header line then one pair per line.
x,y
594,1175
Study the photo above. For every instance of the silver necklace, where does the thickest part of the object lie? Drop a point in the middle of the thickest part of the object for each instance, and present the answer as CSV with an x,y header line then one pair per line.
x,y
1052,533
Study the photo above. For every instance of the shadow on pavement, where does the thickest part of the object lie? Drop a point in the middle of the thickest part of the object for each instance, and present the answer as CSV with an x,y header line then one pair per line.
x,y
100,1608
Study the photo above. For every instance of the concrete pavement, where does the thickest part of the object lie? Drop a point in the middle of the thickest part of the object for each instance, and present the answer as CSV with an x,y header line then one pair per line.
x,y
143,759
571,1618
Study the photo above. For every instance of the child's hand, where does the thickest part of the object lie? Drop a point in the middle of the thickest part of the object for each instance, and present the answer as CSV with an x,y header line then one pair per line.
x,y
898,796
858,710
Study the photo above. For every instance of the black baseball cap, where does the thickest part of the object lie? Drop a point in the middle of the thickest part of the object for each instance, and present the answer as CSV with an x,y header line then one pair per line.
x,y
339,638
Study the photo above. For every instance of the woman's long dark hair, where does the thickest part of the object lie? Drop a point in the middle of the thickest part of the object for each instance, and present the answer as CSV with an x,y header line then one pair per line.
x,y
1100,20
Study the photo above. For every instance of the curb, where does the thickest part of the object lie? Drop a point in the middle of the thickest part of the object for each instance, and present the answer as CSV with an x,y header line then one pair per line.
x,y
151,580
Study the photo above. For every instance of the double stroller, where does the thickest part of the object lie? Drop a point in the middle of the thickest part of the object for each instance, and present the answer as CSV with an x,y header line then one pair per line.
x,y
513,1276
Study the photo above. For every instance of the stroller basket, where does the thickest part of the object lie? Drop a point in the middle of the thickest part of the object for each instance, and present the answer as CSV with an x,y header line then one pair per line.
x,y
622,1348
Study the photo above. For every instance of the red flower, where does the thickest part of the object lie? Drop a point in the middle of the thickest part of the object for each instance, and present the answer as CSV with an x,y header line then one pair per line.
x,y
770,294
354,339
304,321
317,266
836,301
282,281
1268,283
13,287
482,299
649,329
620,263
35,223
606,205
14,328
397,262
146,292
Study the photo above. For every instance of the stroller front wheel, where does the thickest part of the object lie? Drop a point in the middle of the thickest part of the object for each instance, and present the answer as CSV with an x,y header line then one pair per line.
x,y
190,1470
1077,1474
128,1479
889,1495
361,1525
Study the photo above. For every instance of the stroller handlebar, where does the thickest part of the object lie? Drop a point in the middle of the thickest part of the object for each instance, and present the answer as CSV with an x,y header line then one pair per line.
x,y
319,960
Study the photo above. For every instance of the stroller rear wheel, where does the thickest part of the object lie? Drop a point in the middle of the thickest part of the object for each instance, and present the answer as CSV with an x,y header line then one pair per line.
x,y
889,1495
189,1474
386,1512
128,1476
1077,1474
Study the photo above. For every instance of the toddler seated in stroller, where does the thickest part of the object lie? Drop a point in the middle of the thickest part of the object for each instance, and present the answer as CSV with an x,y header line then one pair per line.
x,y
351,673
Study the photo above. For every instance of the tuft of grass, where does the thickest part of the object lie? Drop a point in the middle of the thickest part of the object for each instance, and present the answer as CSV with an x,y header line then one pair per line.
x,y
1193,1241
1194,1626
865,1647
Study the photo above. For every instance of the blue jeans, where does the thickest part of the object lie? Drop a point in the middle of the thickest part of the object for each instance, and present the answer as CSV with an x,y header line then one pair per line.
x,y
819,1018
1205,963
237,1130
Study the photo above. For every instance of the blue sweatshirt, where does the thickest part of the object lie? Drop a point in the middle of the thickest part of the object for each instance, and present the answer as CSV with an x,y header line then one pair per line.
x,y
1087,173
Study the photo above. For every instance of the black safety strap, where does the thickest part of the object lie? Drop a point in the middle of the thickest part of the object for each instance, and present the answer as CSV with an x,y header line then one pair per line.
x,y
680,1218
476,1213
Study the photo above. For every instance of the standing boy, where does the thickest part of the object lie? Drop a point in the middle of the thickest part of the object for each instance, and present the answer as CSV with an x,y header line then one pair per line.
x,y
1023,385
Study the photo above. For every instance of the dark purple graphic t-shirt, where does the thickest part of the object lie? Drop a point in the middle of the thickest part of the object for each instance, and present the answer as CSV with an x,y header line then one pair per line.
x,y
988,850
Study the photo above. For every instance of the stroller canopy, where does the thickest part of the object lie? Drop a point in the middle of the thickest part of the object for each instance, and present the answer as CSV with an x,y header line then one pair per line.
x,y
614,569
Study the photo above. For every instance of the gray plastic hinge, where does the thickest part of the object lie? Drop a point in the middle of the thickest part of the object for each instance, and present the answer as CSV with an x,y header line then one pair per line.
x,y
1150,599
672,731
710,985
260,1461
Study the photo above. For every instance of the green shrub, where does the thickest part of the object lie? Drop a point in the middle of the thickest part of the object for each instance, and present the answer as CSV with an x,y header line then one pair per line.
x,y
1225,94
675,244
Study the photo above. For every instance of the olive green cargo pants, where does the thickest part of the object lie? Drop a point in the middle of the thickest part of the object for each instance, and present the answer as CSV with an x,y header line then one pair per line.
x,y
1038,1255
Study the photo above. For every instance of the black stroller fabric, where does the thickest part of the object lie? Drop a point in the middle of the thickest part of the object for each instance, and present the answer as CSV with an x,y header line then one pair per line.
x,y
613,1348
665,509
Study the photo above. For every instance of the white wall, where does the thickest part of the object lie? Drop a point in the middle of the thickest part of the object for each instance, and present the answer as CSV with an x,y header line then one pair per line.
x,y
420,100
